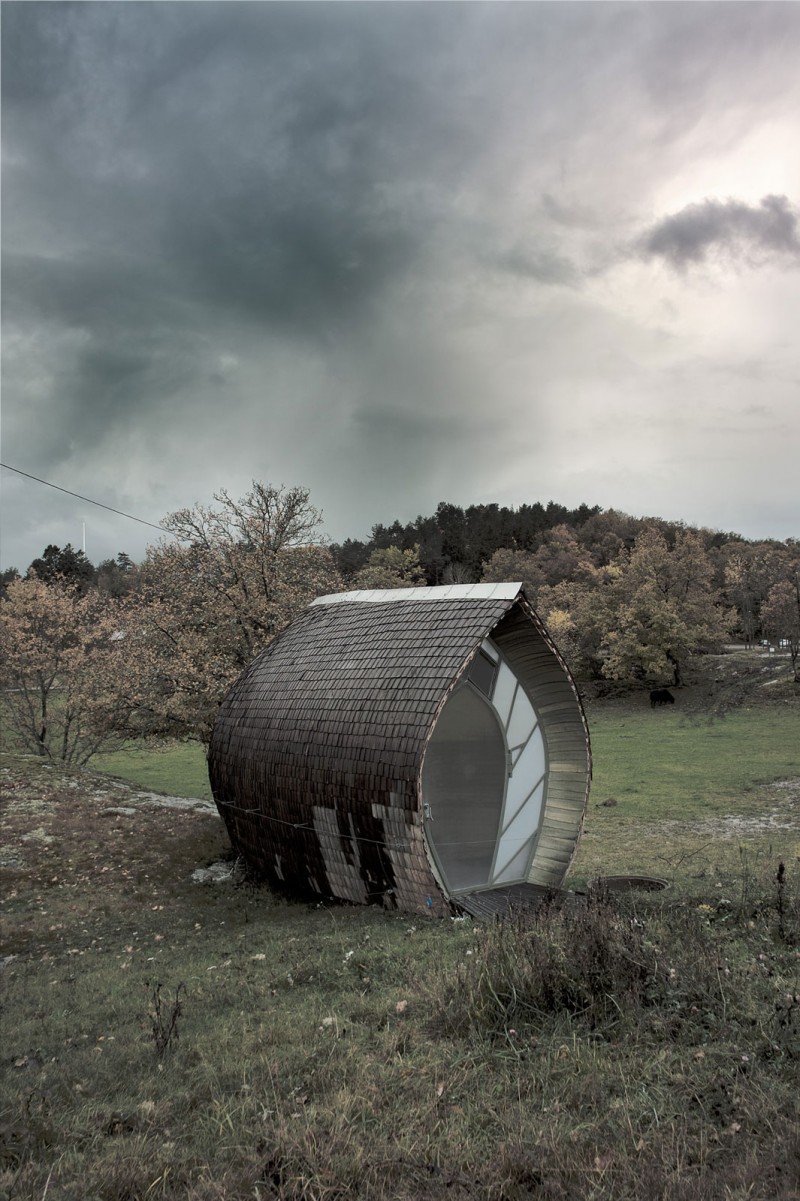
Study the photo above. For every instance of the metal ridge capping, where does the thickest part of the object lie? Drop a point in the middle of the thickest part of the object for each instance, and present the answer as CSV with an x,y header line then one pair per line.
x,y
504,591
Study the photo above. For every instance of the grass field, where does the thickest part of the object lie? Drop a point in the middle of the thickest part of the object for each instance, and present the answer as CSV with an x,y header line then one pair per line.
x,y
670,775
695,799
648,1049
683,765
174,768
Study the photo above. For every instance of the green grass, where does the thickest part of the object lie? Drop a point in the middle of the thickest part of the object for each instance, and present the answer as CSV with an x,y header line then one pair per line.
x,y
675,778
331,1052
695,797
677,765
174,768
651,762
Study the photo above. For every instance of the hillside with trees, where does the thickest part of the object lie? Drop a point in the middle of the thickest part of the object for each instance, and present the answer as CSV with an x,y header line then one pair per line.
x,y
90,654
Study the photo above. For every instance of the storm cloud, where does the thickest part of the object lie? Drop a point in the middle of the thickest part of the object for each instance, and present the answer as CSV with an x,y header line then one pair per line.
x,y
382,250
731,228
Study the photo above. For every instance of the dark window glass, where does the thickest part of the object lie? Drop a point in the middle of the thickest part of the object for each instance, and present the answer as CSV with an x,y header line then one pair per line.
x,y
482,673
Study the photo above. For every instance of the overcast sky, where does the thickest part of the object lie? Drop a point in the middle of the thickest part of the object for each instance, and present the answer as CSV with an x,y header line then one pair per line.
x,y
399,253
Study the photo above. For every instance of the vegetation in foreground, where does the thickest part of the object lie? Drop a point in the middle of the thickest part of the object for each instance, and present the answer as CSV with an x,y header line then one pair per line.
x,y
174,1037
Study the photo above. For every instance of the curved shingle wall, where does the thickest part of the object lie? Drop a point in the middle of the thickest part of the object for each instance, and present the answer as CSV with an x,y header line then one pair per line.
x,y
315,756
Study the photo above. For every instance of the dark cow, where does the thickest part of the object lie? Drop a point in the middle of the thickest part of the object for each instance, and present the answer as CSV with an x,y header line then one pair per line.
x,y
661,696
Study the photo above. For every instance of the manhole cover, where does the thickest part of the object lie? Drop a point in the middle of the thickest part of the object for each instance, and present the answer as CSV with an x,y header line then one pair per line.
x,y
627,883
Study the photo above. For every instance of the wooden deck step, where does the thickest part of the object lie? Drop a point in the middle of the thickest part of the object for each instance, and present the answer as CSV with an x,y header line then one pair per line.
x,y
497,902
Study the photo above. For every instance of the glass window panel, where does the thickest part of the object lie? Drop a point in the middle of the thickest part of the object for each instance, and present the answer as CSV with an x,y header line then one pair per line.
x,y
482,672
488,647
503,695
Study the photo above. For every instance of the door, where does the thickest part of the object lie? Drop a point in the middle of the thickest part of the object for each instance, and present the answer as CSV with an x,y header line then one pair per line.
x,y
463,788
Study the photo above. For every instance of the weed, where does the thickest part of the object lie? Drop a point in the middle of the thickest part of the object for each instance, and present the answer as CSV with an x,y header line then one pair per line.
x,y
586,961
163,1017
780,900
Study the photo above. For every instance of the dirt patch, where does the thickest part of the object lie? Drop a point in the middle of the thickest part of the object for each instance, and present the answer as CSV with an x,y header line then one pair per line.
x,y
784,816
32,787
69,856
173,802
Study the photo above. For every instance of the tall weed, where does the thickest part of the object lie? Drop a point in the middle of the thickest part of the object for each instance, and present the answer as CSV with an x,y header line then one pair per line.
x,y
613,966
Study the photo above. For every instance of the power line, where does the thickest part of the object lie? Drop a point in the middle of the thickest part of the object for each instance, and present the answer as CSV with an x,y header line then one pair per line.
x,y
88,499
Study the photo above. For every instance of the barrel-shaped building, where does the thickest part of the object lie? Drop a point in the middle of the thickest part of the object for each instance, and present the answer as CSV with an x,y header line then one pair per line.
x,y
424,748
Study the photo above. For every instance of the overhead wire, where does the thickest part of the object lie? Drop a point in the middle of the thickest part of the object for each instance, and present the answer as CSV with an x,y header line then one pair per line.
x,y
89,500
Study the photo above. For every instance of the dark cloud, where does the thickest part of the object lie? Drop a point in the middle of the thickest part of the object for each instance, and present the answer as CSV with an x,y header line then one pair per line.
x,y
350,244
729,228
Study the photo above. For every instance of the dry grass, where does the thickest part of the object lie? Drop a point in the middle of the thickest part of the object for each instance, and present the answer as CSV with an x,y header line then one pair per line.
x,y
647,1048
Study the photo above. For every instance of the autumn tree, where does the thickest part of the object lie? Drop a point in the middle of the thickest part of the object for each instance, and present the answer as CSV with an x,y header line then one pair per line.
x,y
578,614
750,570
65,667
512,564
238,572
780,615
662,609
567,590
605,535
560,556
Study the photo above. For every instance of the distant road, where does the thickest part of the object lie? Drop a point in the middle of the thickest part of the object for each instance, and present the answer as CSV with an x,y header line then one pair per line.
x,y
772,652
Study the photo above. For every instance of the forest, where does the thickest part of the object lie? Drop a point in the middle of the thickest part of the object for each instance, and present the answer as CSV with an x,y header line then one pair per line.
x,y
93,653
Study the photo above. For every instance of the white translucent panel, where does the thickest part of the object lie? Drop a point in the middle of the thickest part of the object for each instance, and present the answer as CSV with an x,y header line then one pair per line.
x,y
463,781
519,832
530,764
516,868
526,810
504,689
514,835
523,719
528,773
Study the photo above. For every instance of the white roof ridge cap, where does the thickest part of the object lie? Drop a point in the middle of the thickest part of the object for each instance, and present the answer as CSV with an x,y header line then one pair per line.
x,y
505,590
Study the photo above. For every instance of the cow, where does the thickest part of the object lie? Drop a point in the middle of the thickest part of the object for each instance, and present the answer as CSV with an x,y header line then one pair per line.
x,y
661,696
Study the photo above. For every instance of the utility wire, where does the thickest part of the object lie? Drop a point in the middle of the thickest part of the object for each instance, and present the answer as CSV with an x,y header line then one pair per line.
x,y
350,837
88,500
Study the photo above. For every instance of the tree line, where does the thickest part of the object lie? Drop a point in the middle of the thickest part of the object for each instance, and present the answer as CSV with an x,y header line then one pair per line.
x,y
129,649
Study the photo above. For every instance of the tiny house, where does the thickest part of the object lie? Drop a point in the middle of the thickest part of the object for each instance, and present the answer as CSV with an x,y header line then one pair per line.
x,y
424,748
